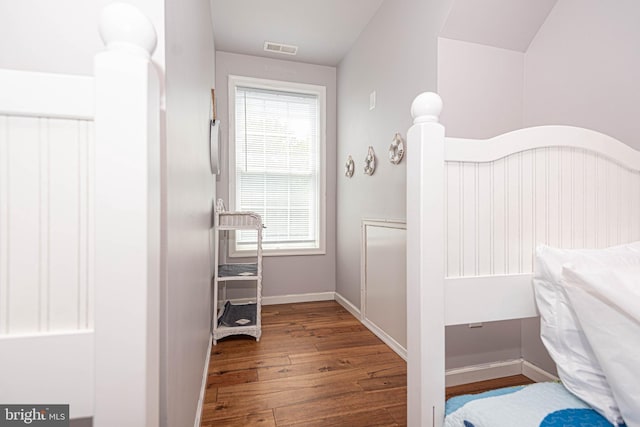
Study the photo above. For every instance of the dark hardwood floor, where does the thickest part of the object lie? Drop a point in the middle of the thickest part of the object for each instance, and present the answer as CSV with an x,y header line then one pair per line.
x,y
315,365
481,386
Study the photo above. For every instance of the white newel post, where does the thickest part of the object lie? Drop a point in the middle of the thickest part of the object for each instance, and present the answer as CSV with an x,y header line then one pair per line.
x,y
127,124
425,263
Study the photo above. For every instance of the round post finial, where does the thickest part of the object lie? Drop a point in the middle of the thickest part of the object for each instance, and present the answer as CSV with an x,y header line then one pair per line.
x,y
426,107
123,26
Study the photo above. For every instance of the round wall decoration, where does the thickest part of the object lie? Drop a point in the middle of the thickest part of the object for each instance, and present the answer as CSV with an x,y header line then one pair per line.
x,y
349,167
396,150
370,162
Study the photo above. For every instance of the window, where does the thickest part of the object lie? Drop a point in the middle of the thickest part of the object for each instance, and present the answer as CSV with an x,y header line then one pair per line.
x,y
277,150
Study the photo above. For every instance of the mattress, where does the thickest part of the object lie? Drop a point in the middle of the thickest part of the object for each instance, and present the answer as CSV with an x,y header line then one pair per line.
x,y
536,405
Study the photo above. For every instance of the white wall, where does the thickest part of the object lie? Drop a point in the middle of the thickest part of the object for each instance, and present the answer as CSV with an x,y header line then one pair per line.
x,y
61,36
481,87
284,275
582,68
395,56
189,192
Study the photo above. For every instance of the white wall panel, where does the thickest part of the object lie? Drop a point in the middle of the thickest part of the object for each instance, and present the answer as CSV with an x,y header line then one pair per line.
x,y
469,201
484,225
384,281
46,223
498,184
23,237
60,363
499,211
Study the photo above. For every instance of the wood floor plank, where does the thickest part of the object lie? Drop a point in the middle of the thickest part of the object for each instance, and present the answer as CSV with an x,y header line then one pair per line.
x,y
315,365
376,350
259,419
381,368
239,399
375,418
229,378
377,364
300,384
339,406
355,339
325,364
211,395
220,367
482,386
383,383
399,413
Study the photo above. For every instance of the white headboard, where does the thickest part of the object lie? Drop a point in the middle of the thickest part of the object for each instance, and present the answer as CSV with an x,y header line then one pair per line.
x,y
80,231
476,209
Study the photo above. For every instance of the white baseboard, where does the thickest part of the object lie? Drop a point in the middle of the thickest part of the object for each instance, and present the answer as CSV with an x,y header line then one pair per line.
x,y
288,299
537,374
203,388
489,371
386,338
393,344
347,305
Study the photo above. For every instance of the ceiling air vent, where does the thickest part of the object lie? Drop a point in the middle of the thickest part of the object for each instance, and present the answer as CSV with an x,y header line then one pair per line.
x,y
286,49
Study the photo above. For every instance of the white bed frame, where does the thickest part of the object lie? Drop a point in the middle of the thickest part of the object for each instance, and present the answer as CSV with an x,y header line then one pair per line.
x,y
476,209
80,232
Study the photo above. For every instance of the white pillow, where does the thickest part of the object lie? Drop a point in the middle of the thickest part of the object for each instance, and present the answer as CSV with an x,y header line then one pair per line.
x,y
606,301
560,331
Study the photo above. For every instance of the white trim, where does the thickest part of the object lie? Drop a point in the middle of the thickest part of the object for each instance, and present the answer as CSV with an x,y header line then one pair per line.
x,y
425,264
60,363
377,330
348,306
127,209
32,94
386,338
288,299
483,372
390,342
490,371
536,373
203,388
266,252
321,92
488,150
488,298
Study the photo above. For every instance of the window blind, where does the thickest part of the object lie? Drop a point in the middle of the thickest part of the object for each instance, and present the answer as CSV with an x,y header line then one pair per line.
x,y
277,165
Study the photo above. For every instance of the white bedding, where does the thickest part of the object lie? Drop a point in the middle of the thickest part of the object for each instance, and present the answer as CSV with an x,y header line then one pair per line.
x,y
606,301
589,304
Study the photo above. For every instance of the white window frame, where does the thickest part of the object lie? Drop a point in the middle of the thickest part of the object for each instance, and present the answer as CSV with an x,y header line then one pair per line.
x,y
283,86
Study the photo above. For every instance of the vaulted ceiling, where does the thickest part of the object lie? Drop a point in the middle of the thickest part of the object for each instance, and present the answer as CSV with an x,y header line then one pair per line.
x,y
324,30
507,24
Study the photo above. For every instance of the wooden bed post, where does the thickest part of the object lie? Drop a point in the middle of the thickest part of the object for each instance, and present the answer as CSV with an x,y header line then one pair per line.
x,y
127,222
425,264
